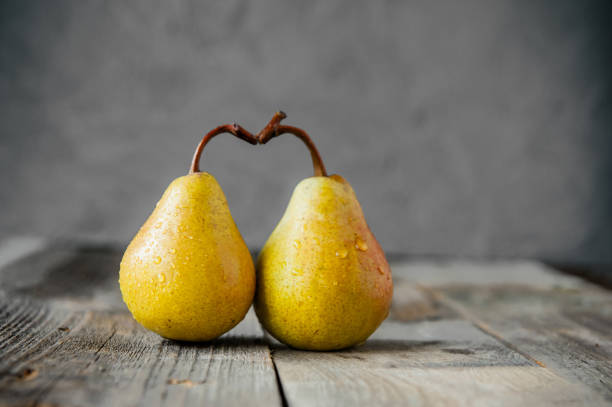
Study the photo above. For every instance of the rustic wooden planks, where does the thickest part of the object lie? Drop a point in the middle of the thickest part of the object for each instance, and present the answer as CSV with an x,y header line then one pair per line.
x,y
459,333
65,339
559,321
129,366
431,362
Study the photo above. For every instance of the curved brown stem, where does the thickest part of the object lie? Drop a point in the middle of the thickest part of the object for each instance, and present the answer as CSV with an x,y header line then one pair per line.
x,y
275,129
234,129
270,130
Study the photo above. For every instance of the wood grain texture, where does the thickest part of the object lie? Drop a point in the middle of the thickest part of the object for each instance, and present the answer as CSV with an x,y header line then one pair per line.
x,y
444,362
459,333
66,339
560,321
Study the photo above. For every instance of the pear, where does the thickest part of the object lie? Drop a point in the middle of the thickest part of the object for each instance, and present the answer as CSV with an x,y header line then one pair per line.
x,y
187,274
323,281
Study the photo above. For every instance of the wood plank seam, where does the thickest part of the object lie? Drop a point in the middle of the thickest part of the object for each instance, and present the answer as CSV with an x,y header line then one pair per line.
x,y
60,325
279,382
462,311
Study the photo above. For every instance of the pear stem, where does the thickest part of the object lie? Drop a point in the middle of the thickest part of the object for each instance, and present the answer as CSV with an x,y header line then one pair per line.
x,y
275,129
234,129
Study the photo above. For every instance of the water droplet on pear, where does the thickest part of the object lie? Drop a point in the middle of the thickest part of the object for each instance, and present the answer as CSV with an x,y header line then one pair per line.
x,y
360,244
342,253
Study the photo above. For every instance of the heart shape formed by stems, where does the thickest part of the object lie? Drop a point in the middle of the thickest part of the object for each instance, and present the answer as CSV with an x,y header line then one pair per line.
x,y
271,130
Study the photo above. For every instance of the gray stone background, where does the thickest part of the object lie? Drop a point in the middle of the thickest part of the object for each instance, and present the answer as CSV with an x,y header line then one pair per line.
x,y
472,128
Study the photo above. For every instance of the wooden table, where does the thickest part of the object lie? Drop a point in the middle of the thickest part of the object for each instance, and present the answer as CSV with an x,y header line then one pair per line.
x,y
460,333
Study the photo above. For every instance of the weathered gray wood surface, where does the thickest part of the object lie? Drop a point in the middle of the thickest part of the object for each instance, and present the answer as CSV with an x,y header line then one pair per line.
x,y
66,339
459,333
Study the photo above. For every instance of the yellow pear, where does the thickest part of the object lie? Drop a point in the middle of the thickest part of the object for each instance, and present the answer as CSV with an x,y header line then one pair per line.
x,y
323,281
187,274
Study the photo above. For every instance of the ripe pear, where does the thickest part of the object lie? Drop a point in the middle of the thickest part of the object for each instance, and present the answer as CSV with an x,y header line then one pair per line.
x,y
187,274
323,281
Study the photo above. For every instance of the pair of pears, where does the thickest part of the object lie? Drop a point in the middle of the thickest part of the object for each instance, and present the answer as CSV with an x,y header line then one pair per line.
x,y
322,280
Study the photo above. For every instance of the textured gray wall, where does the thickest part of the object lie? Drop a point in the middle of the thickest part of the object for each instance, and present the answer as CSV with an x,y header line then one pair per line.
x,y
471,128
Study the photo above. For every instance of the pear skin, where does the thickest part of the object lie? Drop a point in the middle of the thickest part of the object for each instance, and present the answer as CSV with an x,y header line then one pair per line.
x,y
323,281
187,274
